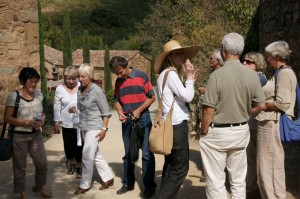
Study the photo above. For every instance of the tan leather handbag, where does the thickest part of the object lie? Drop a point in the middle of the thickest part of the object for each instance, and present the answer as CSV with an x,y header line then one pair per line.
x,y
161,134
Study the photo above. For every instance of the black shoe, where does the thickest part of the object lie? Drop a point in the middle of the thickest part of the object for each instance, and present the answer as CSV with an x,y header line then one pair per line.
x,y
78,172
124,189
148,193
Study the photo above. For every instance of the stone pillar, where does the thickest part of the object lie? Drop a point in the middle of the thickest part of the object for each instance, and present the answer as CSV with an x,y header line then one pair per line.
x,y
19,45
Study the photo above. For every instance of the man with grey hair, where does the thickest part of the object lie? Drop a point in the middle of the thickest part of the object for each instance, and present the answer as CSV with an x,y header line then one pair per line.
x,y
215,62
227,104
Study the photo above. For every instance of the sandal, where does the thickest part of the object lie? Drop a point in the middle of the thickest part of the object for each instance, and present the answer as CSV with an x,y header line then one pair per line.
x,y
41,190
71,169
78,172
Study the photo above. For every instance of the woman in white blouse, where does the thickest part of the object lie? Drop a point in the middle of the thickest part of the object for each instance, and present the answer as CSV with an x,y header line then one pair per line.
x,y
65,102
176,59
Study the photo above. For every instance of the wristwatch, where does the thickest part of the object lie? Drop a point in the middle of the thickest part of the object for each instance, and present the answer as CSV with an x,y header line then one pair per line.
x,y
105,129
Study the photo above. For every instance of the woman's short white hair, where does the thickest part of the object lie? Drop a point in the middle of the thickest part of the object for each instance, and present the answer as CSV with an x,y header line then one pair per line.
x,y
71,71
233,43
278,48
217,53
86,69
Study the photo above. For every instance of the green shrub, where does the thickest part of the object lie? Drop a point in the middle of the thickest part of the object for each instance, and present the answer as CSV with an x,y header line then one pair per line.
x,y
48,111
110,98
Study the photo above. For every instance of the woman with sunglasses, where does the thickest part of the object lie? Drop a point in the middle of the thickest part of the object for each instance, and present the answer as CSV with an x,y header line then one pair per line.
x,y
256,62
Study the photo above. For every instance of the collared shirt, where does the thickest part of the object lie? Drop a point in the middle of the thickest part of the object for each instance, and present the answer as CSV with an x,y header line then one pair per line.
x,y
174,87
92,107
133,91
231,91
285,97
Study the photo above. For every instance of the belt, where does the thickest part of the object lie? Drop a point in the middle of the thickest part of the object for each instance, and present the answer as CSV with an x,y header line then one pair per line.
x,y
27,132
227,125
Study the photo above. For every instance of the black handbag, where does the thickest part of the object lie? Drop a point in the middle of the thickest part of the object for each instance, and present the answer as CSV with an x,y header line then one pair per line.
x,y
6,141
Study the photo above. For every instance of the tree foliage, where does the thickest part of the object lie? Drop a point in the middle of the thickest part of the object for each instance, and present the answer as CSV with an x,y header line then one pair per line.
x,y
42,53
153,75
101,44
86,47
67,42
107,73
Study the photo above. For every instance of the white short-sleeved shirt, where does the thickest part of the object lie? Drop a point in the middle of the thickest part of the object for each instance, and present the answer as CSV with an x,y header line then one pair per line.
x,y
27,108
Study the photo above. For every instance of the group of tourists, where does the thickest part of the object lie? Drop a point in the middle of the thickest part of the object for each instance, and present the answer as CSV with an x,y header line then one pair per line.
x,y
239,127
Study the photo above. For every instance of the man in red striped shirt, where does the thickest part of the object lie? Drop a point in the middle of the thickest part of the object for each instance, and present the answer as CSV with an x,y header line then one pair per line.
x,y
133,96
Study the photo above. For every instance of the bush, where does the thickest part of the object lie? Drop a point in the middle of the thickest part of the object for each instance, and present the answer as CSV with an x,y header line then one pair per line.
x,y
110,98
48,111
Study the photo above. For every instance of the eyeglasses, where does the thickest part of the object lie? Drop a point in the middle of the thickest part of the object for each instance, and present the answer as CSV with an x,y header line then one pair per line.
x,y
31,82
248,62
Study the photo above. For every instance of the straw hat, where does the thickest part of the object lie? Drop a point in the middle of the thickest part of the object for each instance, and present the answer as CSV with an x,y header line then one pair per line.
x,y
189,52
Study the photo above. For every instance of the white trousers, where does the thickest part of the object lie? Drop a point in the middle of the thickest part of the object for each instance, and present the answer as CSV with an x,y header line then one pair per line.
x,y
220,148
91,154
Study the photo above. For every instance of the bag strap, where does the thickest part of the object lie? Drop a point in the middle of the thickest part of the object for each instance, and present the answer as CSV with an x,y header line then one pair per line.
x,y
297,87
162,92
16,107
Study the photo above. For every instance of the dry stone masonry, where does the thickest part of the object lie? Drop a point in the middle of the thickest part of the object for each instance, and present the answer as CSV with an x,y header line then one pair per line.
x,y
19,45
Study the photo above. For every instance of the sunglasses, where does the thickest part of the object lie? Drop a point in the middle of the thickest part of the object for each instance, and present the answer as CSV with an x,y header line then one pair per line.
x,y
248,62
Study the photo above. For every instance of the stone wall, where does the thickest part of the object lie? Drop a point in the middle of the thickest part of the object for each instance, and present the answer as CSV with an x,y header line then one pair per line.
x,y
280,20
19,45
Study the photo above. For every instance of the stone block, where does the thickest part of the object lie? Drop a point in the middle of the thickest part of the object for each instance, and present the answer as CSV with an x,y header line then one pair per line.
x,y
7,37
31,32
14,46
29,15
6,70
14,53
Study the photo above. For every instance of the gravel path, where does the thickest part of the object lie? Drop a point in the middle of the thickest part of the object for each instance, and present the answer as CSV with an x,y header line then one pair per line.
x,y
63,186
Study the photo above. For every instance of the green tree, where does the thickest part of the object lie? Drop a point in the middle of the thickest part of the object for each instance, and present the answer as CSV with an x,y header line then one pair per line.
x,y
101,44
86,47
107,73
67,42
153,75
42,53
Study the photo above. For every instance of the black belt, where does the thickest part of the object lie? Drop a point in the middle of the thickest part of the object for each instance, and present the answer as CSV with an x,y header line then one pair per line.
x,y
227,125
27,132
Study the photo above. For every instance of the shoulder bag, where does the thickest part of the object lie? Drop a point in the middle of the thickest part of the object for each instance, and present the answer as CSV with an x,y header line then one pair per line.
x,y
161,134
6,141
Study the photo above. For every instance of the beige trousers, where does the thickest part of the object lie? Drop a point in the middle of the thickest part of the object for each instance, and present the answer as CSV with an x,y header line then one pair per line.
x,y
32,144
220,148
90,155
270,161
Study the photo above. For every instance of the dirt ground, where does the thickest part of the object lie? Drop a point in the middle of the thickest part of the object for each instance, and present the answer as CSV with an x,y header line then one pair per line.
x,y
63,186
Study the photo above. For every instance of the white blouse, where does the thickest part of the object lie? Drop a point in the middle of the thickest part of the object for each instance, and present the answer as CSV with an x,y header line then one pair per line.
x,y
174,87
62,103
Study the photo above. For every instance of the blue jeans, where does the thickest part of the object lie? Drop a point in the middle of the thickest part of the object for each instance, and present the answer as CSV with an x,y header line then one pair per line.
x,y
148,160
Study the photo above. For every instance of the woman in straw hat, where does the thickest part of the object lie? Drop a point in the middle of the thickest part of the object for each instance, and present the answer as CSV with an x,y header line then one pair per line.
x,y
176,59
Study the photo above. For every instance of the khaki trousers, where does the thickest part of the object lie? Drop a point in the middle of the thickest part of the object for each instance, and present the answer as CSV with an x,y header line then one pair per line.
x,y
270,161
220,148
34,145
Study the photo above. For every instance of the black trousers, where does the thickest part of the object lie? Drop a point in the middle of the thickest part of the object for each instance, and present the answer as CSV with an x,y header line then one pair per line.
x,y
70,144
176,164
